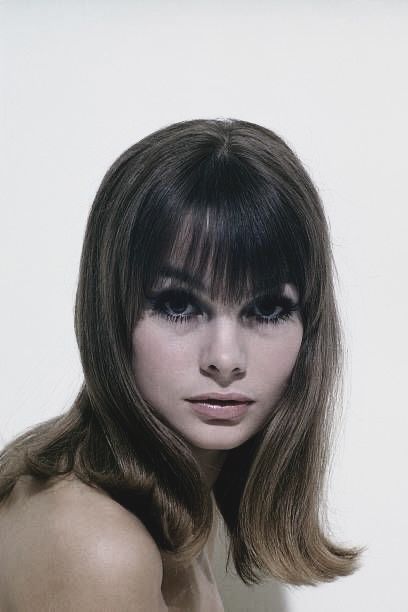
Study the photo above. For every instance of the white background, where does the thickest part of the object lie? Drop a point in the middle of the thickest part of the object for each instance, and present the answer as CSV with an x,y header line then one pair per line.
x,y
83,80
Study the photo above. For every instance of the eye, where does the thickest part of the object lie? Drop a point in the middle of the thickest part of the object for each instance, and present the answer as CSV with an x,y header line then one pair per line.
x,y
172,305
274,309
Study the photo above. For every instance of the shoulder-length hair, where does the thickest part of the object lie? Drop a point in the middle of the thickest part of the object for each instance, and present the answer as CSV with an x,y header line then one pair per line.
x,y
229,196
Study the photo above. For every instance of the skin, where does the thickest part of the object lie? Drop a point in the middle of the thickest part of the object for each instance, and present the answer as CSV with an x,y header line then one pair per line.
x,y
220,349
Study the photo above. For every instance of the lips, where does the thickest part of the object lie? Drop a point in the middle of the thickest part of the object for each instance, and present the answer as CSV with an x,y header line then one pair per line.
x,y
221,398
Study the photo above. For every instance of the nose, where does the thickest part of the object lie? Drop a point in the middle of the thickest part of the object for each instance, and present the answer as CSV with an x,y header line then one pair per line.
x,y
223,355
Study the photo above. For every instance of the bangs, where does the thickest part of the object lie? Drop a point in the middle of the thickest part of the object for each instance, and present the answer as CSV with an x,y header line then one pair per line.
x,y
223,221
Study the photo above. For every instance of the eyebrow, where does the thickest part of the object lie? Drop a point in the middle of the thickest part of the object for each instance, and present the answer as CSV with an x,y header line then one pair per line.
x,y
183,276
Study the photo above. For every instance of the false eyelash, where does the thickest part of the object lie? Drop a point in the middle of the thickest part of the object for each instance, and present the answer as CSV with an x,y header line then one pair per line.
x,y
157,304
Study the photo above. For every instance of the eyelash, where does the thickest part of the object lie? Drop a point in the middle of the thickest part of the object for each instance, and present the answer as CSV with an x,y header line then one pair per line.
x,y
157,303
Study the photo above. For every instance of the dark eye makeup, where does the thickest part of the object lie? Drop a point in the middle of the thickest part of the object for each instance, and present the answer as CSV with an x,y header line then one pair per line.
x,y
171,304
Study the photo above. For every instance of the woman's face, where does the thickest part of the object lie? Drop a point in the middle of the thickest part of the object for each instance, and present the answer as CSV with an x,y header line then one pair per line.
x,y
206,347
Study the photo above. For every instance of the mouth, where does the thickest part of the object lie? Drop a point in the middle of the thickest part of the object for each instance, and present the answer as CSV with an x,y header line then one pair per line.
x,y
221,398
215,402
230,410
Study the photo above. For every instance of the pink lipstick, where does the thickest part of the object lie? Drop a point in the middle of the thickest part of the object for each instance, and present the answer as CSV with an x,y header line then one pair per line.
x,y
225,406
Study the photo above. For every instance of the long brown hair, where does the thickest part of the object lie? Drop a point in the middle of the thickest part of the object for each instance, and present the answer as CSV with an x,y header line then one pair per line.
x,y
229,196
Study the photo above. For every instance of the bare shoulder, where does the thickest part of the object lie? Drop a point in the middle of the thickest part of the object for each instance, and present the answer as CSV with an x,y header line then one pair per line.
x,y
71,547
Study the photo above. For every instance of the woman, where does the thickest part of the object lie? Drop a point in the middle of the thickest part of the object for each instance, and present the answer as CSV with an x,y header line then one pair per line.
x,y
211,348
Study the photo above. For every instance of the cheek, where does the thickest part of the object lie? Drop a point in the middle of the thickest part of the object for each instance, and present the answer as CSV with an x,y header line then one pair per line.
x,y
154,355
275,362
159,364
289,350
